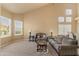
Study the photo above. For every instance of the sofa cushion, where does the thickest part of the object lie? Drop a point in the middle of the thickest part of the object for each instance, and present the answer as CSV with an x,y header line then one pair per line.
x,y
69,41
74,42
59,39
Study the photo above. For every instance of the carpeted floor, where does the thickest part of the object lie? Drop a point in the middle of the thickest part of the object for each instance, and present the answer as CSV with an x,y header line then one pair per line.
x,y
23,48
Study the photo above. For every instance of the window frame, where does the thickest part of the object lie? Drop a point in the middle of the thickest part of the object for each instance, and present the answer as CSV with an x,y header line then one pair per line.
x,y
64,30
68,18
10,22
15,28
61,19
62,26
68,12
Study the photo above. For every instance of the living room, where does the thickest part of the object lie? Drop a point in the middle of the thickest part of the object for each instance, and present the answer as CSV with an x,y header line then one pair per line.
x,y
18,20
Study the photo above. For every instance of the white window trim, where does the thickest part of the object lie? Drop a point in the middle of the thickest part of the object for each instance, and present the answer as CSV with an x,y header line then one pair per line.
x,y
61,19
68,18
15,29
4,36
63,29
68,12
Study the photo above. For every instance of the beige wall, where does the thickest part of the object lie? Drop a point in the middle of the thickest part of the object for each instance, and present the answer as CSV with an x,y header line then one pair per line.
x,y
77,10
0,14
8,40
6,13
0,9
77,19
45,18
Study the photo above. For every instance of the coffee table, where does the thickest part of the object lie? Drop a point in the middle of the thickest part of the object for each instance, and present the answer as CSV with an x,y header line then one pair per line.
x,y
41,45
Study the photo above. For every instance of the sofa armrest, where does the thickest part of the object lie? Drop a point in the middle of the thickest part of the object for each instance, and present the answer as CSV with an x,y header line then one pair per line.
x,y
68,50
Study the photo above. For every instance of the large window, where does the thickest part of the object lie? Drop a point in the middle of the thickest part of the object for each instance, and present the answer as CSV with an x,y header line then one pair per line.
x,y
67,28
64,23
5,27
18,27
61,29
64,27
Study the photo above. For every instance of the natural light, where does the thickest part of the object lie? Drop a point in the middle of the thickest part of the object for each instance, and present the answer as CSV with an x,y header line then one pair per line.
x,y
5,27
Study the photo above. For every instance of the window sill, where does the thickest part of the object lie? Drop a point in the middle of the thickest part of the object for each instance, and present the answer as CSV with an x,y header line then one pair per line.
x,y
5,36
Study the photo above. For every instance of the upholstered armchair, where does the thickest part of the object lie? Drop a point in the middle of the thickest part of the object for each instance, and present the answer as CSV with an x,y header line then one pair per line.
x,y
41,36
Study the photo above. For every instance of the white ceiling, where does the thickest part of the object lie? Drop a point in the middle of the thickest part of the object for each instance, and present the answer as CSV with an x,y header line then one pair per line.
x,y
22,7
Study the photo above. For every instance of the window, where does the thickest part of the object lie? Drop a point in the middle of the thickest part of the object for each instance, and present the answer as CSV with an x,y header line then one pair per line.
x,y
5,27
64,27
60,19
67,28
68,19
68,11
61,29
18,27
61,25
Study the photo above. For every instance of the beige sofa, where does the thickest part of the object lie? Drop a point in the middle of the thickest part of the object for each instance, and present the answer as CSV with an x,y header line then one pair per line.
x,y
64,46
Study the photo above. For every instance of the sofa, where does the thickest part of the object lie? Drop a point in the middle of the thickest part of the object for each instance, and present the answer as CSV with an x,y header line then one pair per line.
x,y
64,46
